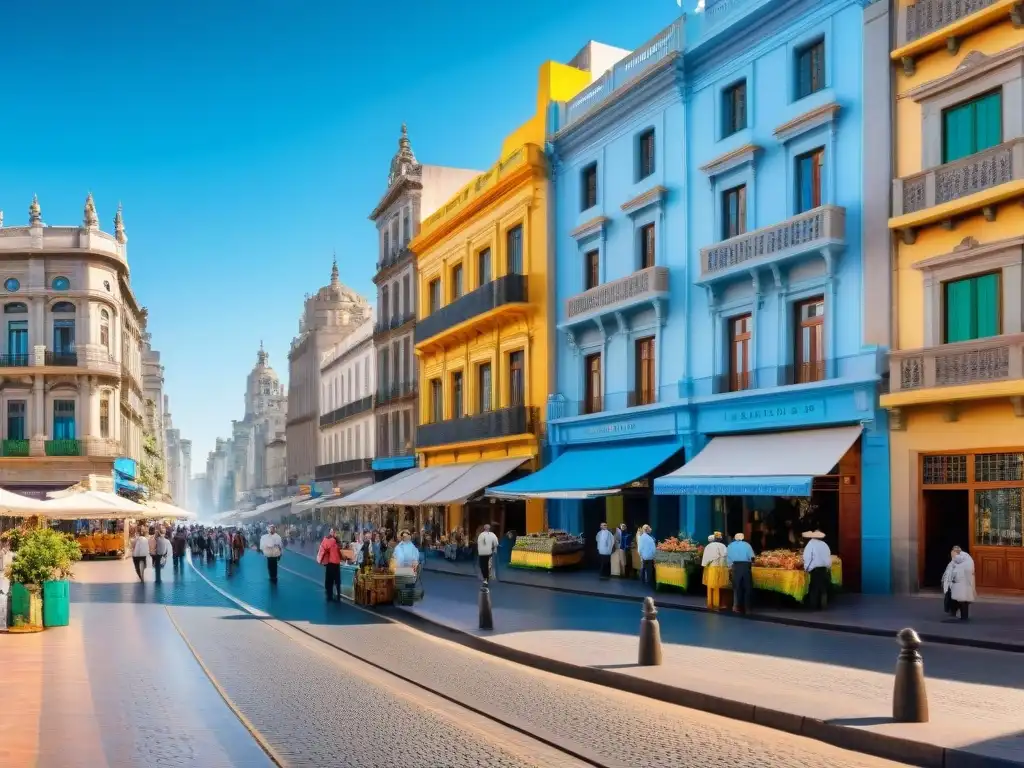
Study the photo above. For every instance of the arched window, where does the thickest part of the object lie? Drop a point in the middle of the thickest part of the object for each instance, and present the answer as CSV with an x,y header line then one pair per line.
x,y
60,283
105,415
105,329
63,306
15,308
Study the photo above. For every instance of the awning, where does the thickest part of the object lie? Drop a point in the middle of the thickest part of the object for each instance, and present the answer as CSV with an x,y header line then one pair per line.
x,y
588,472
379,493
433,486
763,464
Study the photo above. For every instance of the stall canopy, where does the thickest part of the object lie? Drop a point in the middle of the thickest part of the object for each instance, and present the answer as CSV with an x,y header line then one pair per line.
x,y
588,472
163,509
764,464
434,486
93,505
16,505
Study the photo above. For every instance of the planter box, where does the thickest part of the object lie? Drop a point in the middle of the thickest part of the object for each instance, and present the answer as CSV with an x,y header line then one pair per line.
x,y
26,607
56,603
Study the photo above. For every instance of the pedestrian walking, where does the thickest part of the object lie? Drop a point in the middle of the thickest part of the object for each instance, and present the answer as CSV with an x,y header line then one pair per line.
x,y
818,564
624,540
178,545
646,547
329,556
958,584
238,544
486,546
605,545
716,570
140,551
740,557
271,546
161,550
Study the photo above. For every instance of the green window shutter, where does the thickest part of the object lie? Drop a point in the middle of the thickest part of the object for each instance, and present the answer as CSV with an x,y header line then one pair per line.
x,y
958,139
988,116
986,308
960,325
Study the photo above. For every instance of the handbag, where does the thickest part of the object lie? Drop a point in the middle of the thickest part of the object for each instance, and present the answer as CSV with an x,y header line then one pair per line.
x,y
947,602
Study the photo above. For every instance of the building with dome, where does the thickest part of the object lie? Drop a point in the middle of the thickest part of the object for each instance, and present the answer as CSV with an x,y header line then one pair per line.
x,y
328,317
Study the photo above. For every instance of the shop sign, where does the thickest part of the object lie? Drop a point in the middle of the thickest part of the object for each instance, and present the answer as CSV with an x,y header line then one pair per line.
x,y
811,411
611,429
747,489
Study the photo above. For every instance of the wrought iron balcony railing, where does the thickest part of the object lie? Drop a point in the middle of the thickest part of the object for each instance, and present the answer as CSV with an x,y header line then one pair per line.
x,y
508,289
504,422
347,411
396,391
62,357
14,361
998,358
340,468
63,447
393,322
15,447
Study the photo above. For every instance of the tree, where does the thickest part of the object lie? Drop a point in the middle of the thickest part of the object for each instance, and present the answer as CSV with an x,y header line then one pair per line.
x,y
43,554
151,468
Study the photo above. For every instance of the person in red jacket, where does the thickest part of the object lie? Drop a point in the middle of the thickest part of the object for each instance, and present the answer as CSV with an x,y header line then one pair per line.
x,y
329,556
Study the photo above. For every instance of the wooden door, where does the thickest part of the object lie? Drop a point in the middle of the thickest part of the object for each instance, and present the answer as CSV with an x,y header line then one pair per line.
x,y
850,541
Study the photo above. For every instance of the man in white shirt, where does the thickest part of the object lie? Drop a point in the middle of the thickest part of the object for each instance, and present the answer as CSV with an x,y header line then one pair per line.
x,y
605,546
817,563
486,547
270,546
161,551
646,547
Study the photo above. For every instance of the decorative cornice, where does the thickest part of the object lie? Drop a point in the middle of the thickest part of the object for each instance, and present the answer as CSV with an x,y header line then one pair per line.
x,y
800,124
969,249
588,228
733,159
641,201
975,64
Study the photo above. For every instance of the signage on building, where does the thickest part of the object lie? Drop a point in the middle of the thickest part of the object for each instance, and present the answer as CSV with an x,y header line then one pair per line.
x,y
772,414
611,429
712,488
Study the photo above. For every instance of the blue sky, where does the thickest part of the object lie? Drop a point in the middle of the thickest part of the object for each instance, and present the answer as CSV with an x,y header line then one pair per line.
x,y
249,140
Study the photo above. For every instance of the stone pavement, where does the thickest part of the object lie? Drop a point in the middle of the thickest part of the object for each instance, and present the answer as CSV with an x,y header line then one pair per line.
x,y
603,726
118,687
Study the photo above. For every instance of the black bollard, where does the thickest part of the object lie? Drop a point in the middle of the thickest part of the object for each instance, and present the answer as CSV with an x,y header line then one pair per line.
x,y
650,636
909,699
486,619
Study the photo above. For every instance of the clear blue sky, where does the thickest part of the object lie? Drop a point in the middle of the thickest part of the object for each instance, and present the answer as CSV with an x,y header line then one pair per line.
x,y
248,140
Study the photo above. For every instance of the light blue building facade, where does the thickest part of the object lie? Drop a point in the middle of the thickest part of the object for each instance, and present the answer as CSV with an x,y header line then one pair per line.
x,y
727,377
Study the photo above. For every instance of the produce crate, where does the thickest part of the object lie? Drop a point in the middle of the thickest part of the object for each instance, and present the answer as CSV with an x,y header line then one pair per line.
x,y
545,561
670,575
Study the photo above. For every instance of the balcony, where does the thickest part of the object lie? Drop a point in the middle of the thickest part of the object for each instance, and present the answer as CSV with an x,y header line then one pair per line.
x,y
990,362
394,256
385,326
340,468
929,25
507,292
17,448
644,288
975,183
63,448
68,358
347,411
14,361
504,422
397,392
819,230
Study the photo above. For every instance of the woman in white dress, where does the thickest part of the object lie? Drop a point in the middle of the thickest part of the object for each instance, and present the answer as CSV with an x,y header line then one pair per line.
x,y
958,584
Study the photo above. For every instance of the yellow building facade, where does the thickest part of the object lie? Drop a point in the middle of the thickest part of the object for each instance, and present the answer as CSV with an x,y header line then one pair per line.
x,y
956,389
485,333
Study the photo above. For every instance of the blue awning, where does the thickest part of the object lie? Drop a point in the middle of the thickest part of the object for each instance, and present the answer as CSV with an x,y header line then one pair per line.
x,y
588,472
779,485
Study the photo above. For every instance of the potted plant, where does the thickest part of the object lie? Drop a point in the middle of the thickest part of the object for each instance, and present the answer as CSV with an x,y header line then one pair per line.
x,y
41,568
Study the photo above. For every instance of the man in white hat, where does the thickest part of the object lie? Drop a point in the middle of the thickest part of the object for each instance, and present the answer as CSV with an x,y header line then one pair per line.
x,y
818,564
716,570
741,557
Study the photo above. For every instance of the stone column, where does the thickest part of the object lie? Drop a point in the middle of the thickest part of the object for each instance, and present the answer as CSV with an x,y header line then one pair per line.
x,y
37,443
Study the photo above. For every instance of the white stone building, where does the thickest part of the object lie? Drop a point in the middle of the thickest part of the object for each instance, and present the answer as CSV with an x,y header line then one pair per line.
x,y
328,317
414,192
347,383
71,384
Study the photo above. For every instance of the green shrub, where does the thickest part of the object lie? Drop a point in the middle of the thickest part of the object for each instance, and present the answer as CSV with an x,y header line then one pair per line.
x,y
43,554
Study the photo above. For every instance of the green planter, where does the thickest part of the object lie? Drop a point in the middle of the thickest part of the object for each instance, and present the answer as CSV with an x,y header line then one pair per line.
x,y
56,603
26,606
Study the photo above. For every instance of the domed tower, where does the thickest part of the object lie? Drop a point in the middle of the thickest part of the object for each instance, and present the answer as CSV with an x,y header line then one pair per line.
x,y
262,387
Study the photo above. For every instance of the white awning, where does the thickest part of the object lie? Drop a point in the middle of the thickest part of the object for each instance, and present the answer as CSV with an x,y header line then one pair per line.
x,y
455,483
382,492
761,464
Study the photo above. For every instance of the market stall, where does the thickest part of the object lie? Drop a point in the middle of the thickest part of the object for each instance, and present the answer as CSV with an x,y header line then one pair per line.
x,y
677,563
782,571
374,587
547,551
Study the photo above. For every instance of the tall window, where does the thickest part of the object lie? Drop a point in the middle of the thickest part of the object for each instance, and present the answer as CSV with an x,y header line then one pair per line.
x,y
516,378
406,226
739,353
483,266
809,167
592,383
407,360
646,150
407,441
396,361
16,429
483,388
386,242
647,246
810,69
591,269
458,403
384,304
359,442
514,250
105,415
385,369
734,211
588,187
644,380
105,329
396,437
972,308
17,342
395,295
63,419
972,126
810,340
434,293
457,281
734,108
407,295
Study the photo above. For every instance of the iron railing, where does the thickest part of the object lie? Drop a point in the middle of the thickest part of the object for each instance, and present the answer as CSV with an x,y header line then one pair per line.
x,y
509,289
339,468
15,447
347,411
63,447
504,422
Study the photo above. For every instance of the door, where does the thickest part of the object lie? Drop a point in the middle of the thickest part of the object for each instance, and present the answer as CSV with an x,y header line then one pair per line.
x,y
946,524
593,516
17,341
63,337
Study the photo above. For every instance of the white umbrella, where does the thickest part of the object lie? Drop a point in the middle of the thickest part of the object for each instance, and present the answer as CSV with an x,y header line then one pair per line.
x,y
163,509
93,505
16,505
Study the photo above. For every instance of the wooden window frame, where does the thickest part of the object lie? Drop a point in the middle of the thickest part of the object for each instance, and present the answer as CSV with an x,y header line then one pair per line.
x,y
483,257
456,377
740,193
592,401
645,393
814,370
647,158
817,179
944,328
434,297
817,77
511,356
588,187
458,281
740,380
591,269
647,255
484,405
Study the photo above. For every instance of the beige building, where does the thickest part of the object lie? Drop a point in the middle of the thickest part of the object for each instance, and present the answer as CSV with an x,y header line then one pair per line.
x,y
347,381
414,192
71,380
328,317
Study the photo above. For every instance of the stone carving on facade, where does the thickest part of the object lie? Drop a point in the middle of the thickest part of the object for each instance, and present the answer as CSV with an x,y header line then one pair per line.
x,y
404,162
89,218
35,214
966,244
119,234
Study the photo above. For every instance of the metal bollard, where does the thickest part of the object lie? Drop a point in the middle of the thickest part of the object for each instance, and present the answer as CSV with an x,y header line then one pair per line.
x,y
486,618
650,636
909,699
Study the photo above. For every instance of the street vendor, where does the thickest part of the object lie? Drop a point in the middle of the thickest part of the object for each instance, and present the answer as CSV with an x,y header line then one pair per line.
x,y
818,564
406,555
740,556
716,569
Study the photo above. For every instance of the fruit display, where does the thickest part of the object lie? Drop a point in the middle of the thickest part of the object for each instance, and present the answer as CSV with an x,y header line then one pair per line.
x,y
550,542
782,559
679,551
